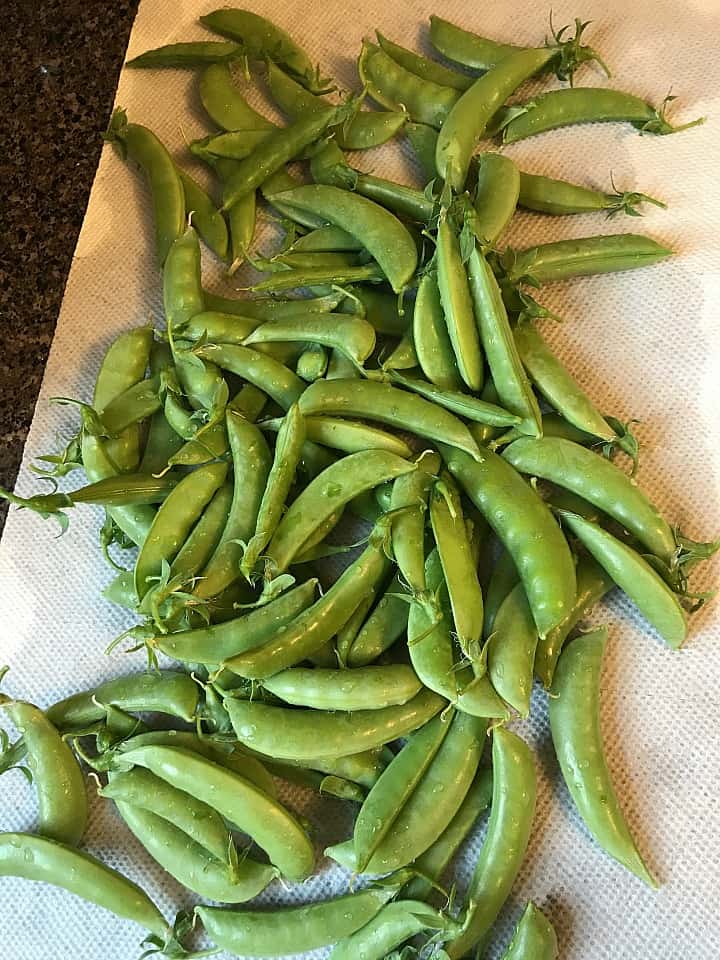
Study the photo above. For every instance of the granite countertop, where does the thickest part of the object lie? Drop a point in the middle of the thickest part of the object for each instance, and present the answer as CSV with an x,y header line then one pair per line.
x,y
60,70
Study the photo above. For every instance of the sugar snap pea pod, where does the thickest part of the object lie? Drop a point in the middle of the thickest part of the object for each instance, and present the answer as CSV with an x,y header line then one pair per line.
x,y
382,234
503,498
401,199
562,108
360,768
565,259
462,46
213,442
348,633
534,937
241,221
326,239
339,331
511,651
231,145
409,504
592,585
403,357
224,103
386,623
395,924
136,403
423,67
265,373
216,327
349,436
470,115
559,198
314,277
380,308
301,733
270,308
506,367
312,363
58,780
423,140
430,336
511,816
574,711
182,290
205,216
161,441
333,488
457,306
380,401
396,88
502,580
319,782
364,688
137,143
237,800
122,490
37,858
635,577
496,196
598,481
308,927
463,404
188,54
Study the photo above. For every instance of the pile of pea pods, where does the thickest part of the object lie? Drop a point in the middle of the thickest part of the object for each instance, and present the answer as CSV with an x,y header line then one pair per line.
x,y
389,369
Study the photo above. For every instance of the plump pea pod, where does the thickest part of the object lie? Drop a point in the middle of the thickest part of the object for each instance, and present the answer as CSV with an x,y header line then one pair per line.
x,y
396,88
423,140
348,633
201,543
534,937
161,441
467,48
409,503
525,526
463,404
574,711
560,198
273,378
635,577
312,363
327,239
216,327
382,234
468,118
204,215
598,481
302,734
182,290
237,800
365,688
279,932
58,780
241,222
136,403
380,401
423,67
508,833
506,367
511,651
502,580
386,623
565,259
188,54
431,338
359,768
137,143
592,585
394,925
232,145
36,858
458,306
339,331
349,436
496,196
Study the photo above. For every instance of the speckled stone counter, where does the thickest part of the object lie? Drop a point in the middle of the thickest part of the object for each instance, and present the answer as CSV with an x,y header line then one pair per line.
x,y
61,60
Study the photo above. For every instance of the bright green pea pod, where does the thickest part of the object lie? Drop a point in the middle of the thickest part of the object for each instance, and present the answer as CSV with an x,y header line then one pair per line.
x,y
327,239
364,688
508,833
565,259
470,115
409,504
574,711
339,331
204,538
511,651
273,378
241,220
559,198
433,345
394,925
321,276
386,623
204,216
496,196
224,103
271,308
216,327
122,490
189,54
348,633
349,436
137,403
213,442
360,768
635,577
467,48
463,404
423,139
458,306
140,145
423,67
182,290
534,937
381,308
232,145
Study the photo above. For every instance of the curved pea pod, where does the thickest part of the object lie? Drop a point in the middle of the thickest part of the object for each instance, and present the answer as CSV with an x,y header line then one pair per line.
x,y
598,481
237,800
463,404
379,401
508,833
349,436
423,67
308,927
364,688
188,54
273,378
423,140
470,115
139,144
574,711
215,326
205,217
534,937
348,633
224,103
354,336
409,504
382,234
301,734
385,624
635,577
496,195
231,145
431,338
312,363
362,769
560,198
465,47
457,306
396,88
394,925
327,239
527,529
404,201
511,651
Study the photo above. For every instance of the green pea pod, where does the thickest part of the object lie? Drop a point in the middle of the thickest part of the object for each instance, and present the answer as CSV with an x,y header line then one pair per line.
x,y
462,46
423,67
349,436
381,308
271,308
360,768
267,374
216,149
188,54
241,221
386,623
534,937
463,404
339,331
182,290
215,327
574,711
204,216
565,259
431,338
560,198
224,103
496,196
321,276
122,490
312,363
348,633
511,651
508,833
502,580
364,688
409,504
395,924
458,306
213,442
137,403
327,239
423,140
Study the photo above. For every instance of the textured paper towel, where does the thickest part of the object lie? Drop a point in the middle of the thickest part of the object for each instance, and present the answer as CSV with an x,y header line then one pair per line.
x,y
644,344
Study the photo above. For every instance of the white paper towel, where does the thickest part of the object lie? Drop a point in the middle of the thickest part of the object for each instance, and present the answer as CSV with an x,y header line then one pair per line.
x,y
645,344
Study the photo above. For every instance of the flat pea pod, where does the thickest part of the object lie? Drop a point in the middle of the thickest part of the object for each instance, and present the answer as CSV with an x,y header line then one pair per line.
x,y
224,103
331,489
423,67
122,490
139,144
383,235
457,306
496,196
560,198
565,259
301,734
322,276
387,404
174,521
231,145
503,578
511,651
189,863
204,215
280,932
237,800
364,688
465,47
137,403
338,331
534,937
57,778
161,441
188,54
385,624
273,378
526,528
433,345
37,858
394,925
423,140
470,115
508,833
182,290
396,88
635,577
598,481
506,367
269,308
465,405
574,711
409,505
349,436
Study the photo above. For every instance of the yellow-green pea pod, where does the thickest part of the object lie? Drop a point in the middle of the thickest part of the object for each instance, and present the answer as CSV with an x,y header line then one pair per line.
x,y
385,624
327,239
312,363
495,198
511,651
204,216
349,436
213,442
216,327
431,338
458,306
396,923
352,335
224,103
364,688
273,378
409,504
403,357
574,711
534,937
348,633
